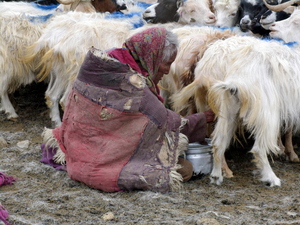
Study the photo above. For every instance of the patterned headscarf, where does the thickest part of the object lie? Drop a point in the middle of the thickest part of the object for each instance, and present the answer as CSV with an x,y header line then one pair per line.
x,y
147,49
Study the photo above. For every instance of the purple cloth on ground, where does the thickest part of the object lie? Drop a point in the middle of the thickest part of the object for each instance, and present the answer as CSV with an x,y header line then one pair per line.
x,y
3,215
47,158
4,180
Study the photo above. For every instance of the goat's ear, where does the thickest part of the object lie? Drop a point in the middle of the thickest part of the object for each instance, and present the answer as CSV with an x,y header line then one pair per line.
x,y
290,9
179,3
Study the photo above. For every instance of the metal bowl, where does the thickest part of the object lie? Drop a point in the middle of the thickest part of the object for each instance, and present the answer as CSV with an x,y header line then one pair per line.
x,y
201,158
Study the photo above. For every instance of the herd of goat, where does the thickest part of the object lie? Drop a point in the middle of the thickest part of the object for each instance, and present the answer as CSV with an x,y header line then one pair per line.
x,y
237,57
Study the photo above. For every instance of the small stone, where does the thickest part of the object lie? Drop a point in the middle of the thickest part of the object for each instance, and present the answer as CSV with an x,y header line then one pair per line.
x,y
108,216
3,143
23,144
292,214
207,221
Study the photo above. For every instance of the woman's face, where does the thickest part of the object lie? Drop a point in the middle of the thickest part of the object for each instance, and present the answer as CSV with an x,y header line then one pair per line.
x,y
164,68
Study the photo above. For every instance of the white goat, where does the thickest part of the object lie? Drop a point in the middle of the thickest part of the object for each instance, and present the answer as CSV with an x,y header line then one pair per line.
x,y
226,12
288,29
260,88
196,12
65,42
193,43
16,34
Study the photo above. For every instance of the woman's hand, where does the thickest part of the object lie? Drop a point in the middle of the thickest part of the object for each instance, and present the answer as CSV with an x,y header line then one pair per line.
x,y
210,116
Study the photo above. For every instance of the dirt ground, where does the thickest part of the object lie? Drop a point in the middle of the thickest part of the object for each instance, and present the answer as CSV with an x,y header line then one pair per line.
x,y
42,195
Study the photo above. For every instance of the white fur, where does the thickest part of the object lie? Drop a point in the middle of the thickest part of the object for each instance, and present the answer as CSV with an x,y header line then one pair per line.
x,y
193,41
226,12
196,12
288,29
17,33
268,21
65,41
260,88
23,7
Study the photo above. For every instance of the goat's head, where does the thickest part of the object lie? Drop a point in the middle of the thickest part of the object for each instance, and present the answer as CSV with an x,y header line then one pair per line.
x,y
163,11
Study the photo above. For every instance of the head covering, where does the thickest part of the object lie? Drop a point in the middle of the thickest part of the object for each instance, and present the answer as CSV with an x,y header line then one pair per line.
x,y
146,48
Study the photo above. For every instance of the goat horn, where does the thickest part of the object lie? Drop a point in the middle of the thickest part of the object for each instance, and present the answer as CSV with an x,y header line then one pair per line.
x,y
65,2
280,7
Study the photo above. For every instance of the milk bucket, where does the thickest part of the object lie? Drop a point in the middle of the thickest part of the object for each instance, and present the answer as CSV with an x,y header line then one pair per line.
x,y
201,157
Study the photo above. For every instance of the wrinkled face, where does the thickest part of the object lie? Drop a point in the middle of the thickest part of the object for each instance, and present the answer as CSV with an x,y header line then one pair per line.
x,y
226,15
164,68
288,30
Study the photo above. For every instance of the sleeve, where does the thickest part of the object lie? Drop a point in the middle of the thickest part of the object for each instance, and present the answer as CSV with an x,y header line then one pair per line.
x,y
195,127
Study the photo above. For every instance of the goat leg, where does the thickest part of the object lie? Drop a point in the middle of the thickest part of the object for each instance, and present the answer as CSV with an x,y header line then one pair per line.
x,y
225,169
289,149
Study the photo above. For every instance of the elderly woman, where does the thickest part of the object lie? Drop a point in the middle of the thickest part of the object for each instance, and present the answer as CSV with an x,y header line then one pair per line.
x,y
116,132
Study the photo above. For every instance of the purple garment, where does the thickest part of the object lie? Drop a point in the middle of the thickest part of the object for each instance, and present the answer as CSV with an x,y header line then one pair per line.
x,y
3,215
5,180
47,158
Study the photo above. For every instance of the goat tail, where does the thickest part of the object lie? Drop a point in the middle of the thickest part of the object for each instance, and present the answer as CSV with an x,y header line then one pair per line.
x,y
45,65
237,99
219,94
181,99
223,92
30,56
40,58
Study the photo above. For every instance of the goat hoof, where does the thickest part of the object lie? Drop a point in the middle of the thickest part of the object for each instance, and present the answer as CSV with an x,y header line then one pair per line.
x,y
274,183
292,158
227,173
14,119
216,180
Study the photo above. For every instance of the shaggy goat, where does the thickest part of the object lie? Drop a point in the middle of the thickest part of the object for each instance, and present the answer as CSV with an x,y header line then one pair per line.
x,y
288,29
258,87
193,43
16,34
64,44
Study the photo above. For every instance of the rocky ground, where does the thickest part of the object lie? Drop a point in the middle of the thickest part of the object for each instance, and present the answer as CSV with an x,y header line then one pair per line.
x,y
42,195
